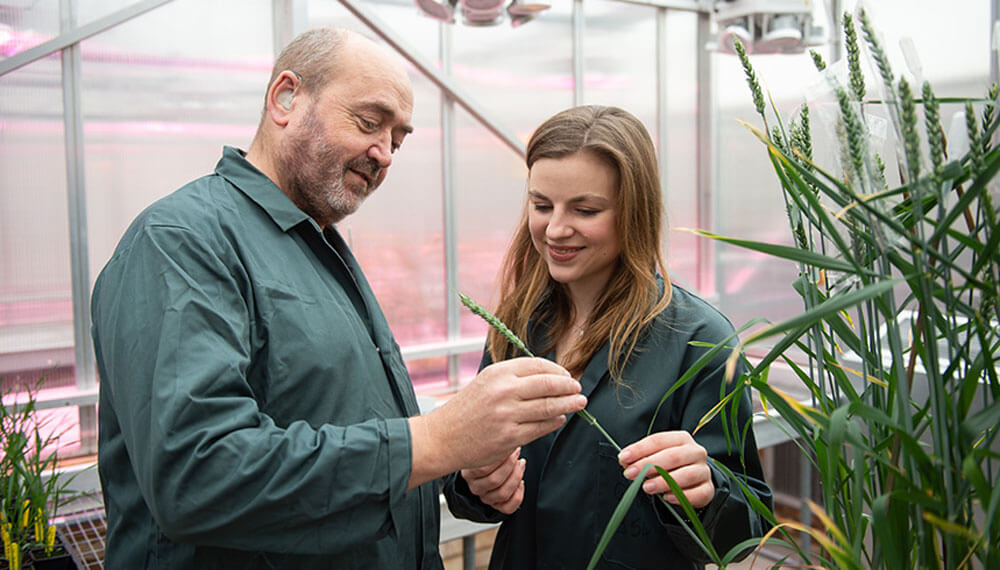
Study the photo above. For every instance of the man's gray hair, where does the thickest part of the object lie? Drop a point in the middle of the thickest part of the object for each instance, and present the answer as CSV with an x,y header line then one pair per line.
x,y
314,56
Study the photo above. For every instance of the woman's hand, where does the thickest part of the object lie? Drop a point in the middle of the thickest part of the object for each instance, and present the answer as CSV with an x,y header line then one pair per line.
x,y
677,453
500,485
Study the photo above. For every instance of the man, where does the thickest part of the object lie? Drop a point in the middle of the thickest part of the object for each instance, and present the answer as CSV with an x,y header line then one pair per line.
x,y
255,411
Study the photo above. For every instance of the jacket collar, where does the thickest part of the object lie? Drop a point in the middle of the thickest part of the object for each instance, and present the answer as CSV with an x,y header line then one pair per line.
x,y
234,167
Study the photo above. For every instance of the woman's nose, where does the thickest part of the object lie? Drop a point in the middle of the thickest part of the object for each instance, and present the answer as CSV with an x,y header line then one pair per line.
x,y
558,227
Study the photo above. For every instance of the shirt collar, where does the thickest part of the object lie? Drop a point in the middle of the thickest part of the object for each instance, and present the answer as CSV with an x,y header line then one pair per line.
x,y
235,168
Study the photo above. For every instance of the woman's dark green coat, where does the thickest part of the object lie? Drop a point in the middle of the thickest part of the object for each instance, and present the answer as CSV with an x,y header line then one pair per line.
x,y
573,481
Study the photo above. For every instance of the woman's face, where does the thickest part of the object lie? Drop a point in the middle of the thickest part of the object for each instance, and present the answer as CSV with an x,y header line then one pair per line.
x,y
571,217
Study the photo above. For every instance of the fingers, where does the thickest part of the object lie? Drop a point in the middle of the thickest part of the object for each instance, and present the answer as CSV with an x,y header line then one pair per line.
x,y
653,444
508,404
501,485
526,366
677,453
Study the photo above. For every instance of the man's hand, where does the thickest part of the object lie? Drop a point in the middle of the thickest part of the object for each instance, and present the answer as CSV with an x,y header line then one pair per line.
x,y
506,405
500,485
677,453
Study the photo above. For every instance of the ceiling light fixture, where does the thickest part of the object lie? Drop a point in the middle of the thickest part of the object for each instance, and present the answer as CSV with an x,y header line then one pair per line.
x,y
481,12
769,26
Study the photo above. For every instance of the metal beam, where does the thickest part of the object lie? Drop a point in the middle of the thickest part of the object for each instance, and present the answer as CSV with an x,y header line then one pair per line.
x,y
76,197
662,101
994,41
705,156
443,82
77,35
682,5
288,19
578,70
449,209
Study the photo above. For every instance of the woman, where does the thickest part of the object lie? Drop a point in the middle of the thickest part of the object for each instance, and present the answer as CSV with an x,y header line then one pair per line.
x,y
581,284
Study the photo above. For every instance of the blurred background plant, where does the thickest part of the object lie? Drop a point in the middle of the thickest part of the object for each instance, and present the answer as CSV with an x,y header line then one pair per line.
x,y
898,274
31,488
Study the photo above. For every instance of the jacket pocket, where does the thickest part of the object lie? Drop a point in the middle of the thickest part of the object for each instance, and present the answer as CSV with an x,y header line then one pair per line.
x,y
640,542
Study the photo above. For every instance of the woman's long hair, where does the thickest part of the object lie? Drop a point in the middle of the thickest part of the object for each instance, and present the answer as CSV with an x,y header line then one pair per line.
x,y
631,299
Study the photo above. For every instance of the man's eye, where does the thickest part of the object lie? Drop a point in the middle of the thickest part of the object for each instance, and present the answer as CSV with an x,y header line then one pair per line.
x,y
367,124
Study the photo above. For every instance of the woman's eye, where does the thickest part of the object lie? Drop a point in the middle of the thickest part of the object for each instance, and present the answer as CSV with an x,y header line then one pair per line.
x,y
542,207
587,212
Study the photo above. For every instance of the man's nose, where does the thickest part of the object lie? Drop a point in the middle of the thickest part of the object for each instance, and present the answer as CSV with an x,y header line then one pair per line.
x,y
381,152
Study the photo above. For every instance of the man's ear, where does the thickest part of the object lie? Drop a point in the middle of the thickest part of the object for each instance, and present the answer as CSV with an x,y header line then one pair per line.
x,y
281,96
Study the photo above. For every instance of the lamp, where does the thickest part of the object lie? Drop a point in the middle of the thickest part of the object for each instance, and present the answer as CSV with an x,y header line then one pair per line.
x,y
480,12
521,13
768,26
440,11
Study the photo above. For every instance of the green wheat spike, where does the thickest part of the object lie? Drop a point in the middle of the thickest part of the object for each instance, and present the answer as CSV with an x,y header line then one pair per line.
x,y
878,54
494,322
857,80
935,134
911,139
975,141
506,332
854,130
755,90
817,60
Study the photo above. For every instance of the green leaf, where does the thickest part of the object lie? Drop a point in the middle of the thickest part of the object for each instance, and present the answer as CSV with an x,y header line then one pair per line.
x,y
798,255
691,516
618,516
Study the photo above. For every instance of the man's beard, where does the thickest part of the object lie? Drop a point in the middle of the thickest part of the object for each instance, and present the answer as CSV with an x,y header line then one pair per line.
x,y
313,171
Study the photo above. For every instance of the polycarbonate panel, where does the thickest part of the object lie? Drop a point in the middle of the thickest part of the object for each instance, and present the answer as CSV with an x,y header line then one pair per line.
x,y
490,187
398,233
88,11
521,75
162,94
26,23
619,63
36,309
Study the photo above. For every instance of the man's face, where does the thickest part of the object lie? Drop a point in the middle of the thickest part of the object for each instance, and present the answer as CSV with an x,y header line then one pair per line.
x,y
342,146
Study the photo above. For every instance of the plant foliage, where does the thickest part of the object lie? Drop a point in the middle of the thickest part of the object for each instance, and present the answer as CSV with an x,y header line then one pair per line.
x,y
897,342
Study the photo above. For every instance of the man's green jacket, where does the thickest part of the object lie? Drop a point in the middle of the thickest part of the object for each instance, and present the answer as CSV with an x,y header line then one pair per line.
x,y
252,397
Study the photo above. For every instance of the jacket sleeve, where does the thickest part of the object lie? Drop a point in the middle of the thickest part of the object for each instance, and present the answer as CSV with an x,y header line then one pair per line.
x,y
730,517
172,327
